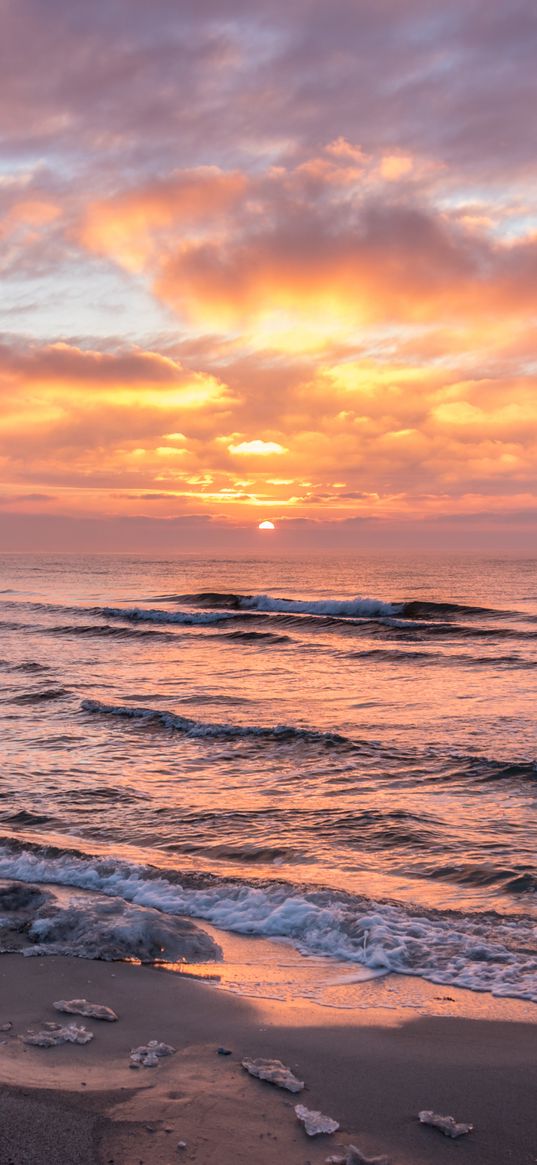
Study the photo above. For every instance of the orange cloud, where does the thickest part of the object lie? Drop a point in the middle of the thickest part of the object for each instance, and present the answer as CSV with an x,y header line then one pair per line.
x,y
133,226
301,257
395,166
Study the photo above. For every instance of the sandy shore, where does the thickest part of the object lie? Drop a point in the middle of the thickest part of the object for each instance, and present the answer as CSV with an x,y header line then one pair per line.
x,y
372,1070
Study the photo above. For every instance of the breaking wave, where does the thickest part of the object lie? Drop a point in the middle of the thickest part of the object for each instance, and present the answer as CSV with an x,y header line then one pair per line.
x,y
358,607
149,615
202,729
435,765
482,952
343,608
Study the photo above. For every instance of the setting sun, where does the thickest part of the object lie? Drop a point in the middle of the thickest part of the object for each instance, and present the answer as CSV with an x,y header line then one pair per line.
x,y
266,526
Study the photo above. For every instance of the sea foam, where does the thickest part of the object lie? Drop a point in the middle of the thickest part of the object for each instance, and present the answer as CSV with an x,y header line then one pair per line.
x,y
482,952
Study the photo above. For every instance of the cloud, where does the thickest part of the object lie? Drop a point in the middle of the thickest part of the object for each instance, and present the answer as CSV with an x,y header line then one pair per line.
x,y
301,255
298,239
257,448
126,87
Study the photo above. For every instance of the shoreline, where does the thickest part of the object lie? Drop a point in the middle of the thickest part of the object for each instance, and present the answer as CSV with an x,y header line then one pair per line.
x,y
371,1068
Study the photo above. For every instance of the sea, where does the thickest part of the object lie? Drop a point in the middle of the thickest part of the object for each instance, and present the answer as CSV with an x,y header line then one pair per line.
x,y
335,754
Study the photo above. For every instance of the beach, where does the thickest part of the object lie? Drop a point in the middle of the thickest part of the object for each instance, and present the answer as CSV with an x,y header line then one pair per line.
x,y
371,1070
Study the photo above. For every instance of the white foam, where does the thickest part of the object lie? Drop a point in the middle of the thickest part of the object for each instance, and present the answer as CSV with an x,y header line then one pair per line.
x,y
344,608
203,728
150,615
480,952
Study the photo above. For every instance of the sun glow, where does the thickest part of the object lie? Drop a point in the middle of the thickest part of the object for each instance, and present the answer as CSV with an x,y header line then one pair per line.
x,y
266,526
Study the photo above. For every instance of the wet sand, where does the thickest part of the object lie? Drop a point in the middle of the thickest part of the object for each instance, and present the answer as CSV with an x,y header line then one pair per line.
x,y
372,1070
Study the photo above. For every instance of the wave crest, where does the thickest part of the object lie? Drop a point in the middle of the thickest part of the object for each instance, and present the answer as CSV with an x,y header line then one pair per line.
x,y
202,729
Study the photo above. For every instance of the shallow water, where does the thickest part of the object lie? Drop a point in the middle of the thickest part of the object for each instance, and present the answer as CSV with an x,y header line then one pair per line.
x,y
341,753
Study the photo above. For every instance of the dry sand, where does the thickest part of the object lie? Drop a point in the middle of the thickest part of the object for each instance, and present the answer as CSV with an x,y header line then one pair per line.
x,y
371,1070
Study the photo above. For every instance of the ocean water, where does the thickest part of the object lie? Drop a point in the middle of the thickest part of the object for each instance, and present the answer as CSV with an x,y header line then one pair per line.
x,y
340,754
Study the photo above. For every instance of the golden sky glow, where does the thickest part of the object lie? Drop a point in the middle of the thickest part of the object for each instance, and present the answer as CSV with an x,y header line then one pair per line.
x,y
272,263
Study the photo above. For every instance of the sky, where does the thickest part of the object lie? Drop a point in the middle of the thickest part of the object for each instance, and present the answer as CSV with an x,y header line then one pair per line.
x,y
273,261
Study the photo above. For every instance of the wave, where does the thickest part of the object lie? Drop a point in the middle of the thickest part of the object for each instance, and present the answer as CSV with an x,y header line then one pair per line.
x,y
129,614
98,630
267,637
412,621
106,631
413,629
423,609
511,880
482,952
344,608
358,607
202,729
440,659
490,769
224,603
27,818
148,615
435,765
28,666
39,697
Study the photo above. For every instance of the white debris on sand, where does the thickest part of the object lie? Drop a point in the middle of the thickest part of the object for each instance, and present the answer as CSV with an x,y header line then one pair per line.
x,y
447,1124
72,1033
315,1122
274,1072
148,1055
82,1007
353,1156
6,1027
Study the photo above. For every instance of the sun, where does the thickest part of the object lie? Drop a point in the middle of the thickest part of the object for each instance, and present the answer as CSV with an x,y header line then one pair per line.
x,y
266,526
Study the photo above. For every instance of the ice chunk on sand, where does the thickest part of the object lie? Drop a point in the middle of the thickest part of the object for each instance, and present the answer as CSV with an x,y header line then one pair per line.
x,y
93,927
275,1072
447,1124
353,1156
315,1122
72,1033
148,1055
82,1007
